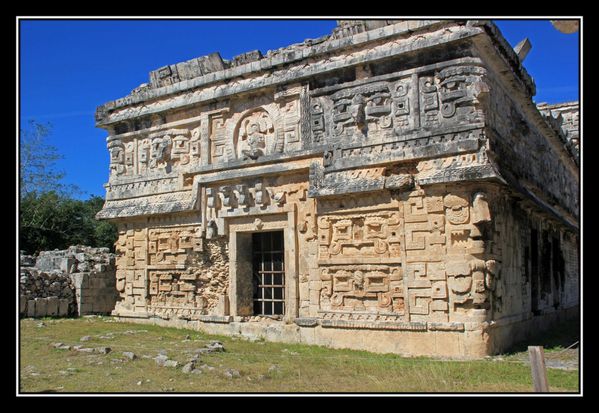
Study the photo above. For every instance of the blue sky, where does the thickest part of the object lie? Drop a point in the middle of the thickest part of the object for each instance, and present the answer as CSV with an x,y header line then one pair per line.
x,y
69,67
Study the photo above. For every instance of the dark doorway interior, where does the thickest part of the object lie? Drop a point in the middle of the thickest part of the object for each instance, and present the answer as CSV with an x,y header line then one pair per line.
x,y
268,273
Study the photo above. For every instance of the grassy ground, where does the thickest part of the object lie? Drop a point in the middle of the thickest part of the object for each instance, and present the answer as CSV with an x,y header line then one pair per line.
x,y
262,367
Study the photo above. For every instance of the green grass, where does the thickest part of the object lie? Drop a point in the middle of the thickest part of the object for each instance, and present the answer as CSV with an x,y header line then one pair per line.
x,y
263,366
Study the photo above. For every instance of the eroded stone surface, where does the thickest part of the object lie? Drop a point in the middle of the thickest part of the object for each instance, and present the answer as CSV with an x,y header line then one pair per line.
x,y
427,205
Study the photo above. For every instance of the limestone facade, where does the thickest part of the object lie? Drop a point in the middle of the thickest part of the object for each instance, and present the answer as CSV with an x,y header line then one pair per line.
x,y
426,205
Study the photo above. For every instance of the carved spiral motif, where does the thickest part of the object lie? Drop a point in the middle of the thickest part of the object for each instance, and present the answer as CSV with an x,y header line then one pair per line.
x,y
335,248
337,299
384,300
380,246
385,122
448,109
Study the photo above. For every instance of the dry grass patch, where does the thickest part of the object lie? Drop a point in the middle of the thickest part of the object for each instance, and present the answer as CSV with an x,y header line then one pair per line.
x,y
244,367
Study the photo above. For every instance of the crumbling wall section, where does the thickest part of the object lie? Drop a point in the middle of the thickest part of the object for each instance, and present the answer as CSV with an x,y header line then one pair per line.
x,y
169,271
77,281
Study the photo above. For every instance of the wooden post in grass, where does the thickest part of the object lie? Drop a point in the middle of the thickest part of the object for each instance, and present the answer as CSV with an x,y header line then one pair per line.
x,y
537,367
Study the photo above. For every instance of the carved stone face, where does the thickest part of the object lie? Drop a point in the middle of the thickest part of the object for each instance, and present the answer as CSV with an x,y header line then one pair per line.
x,y
456,209
117,155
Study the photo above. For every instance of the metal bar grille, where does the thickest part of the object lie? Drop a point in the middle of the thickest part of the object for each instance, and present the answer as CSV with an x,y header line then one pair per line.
x,y
268,273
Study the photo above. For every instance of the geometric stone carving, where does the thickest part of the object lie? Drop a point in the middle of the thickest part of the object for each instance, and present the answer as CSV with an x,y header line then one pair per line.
x,y
364,235
362,288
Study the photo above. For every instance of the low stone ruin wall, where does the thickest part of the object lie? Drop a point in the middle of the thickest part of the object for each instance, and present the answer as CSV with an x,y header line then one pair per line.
x,y
76,281
46,293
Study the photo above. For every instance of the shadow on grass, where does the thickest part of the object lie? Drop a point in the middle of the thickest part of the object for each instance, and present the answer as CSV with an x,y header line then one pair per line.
x,y
559,337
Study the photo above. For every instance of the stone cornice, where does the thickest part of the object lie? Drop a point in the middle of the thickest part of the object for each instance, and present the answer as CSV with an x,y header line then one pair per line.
x,y
277,74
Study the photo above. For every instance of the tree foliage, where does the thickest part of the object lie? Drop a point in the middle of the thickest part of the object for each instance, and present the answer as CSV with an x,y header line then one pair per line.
x,y
53,221
50,217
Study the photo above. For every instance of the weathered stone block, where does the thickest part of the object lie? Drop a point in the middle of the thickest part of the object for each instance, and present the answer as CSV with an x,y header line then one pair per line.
x,y
31,308
52,306
81,280
41,307
63,307
22,304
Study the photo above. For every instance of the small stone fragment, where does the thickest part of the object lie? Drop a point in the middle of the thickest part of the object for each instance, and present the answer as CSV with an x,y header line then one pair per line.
x,y
189,367
231,373
161,359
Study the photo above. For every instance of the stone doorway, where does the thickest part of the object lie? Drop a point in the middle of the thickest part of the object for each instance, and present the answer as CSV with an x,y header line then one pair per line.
x,y
265,245
268,273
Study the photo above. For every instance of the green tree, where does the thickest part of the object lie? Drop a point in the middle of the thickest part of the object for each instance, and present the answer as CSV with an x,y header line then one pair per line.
x,y
50,220
50,217
105,233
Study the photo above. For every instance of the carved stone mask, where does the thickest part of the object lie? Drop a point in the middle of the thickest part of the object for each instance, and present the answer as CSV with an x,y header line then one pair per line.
x,y
480,209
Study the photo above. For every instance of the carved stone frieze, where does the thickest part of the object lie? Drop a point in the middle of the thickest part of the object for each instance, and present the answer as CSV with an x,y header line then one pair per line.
x,y
375,234
371,288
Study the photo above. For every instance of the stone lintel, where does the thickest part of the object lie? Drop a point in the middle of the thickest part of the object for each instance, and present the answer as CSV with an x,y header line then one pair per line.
x,y
270,165
467,173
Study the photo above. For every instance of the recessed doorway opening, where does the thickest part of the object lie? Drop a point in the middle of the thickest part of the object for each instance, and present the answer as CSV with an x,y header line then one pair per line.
x,y
268,273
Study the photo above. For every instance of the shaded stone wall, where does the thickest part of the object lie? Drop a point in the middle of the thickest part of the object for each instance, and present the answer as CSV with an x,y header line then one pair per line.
x,y
539,166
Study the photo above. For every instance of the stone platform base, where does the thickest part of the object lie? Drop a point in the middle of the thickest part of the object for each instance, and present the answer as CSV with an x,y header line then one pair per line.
x,y
409,339
447,340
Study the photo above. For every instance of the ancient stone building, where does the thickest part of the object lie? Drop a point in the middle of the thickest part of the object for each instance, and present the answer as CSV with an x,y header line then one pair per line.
x,y
390,187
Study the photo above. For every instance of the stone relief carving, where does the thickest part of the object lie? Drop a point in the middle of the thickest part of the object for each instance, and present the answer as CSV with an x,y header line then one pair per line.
x,y
448,253
372,244
266,195
117,157
460,87
186,276
256,133
358,114
373,288
143,150
160,147
359,235
388,110
167,247
317,123
131,257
